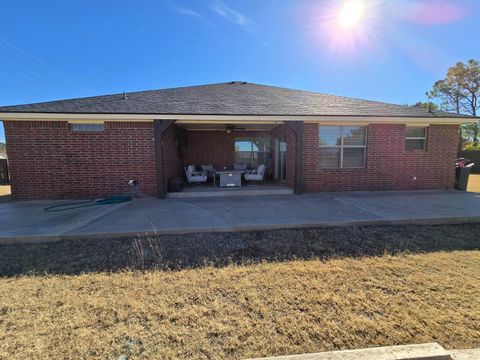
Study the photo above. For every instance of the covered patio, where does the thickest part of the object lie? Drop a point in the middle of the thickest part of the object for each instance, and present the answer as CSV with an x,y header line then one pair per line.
x,y
228,157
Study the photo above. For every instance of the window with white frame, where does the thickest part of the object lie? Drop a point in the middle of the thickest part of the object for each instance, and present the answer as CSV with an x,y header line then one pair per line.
x,y
342,146
416,138
87,127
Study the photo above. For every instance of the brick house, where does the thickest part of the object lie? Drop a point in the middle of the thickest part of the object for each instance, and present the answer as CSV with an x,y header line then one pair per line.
x,y
91,147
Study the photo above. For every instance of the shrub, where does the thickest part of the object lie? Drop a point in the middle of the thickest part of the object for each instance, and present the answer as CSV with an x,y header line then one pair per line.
x,y
471,147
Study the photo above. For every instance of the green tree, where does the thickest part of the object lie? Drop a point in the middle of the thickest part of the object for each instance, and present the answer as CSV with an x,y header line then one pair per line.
x,y
428,106
459,92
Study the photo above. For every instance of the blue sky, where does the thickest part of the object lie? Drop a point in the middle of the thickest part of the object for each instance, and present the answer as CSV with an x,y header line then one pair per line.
x,y
63,49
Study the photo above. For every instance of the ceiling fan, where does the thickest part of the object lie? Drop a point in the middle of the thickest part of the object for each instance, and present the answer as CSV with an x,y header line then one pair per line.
x,y
231,128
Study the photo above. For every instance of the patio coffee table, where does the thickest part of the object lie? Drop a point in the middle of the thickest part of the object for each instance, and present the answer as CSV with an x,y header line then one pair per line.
x,y
229,178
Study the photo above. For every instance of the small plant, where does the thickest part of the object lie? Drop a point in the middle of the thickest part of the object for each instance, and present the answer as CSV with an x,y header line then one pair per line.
x,y
146,253
137,256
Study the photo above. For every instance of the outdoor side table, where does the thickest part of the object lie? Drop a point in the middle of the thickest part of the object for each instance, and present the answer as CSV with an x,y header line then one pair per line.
x,y
230,178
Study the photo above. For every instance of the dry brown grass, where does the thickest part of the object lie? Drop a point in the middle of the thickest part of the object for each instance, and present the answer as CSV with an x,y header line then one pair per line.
x,y
4,193
242,311
4,190
474,183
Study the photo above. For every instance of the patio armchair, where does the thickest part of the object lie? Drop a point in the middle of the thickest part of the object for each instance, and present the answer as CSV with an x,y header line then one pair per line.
x,y
195,177
253,176
209,170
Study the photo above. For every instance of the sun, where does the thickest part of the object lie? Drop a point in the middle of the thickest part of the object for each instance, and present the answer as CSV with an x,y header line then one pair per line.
x,y
351,13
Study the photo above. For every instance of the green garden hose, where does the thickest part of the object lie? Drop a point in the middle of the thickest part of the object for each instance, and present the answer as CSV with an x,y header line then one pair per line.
x,y
87,203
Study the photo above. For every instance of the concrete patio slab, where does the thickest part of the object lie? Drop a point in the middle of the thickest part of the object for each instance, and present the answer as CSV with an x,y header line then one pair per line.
x,y
429,351
23,222
469,354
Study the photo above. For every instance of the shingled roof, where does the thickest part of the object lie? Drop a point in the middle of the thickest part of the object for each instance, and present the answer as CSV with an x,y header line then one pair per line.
x,y
231,98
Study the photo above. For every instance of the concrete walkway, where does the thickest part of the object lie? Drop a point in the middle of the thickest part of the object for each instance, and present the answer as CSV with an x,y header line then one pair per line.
x,y
22,222
430,351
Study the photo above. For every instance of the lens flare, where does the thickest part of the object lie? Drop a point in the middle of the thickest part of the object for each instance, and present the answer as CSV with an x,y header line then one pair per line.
x,y
355,31
351,13
346,27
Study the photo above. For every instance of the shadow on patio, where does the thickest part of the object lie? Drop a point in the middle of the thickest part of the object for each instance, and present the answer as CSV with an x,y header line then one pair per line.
x,y
221,249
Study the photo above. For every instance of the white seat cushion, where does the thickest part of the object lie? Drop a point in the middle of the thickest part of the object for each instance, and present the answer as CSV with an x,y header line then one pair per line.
x,y
190,170
257,175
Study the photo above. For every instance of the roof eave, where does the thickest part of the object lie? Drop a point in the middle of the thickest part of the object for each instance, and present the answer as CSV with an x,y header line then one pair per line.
x,y
57,116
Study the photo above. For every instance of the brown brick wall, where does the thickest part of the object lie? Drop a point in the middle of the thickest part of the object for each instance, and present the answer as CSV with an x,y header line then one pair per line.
x,y
48,161
214,147
388,165
210,147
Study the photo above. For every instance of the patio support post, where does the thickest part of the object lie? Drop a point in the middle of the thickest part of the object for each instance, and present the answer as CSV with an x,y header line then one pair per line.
x,y
159,128
297,127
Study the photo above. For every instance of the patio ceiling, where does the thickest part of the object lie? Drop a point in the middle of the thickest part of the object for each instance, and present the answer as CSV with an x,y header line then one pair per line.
x,y
235,126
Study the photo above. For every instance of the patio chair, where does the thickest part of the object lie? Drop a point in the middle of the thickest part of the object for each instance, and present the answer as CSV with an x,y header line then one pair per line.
x,y
239,166
195,177
253,176
209,169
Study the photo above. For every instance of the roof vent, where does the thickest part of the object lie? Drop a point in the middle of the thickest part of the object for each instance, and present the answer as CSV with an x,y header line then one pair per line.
x,y
125,95
237,82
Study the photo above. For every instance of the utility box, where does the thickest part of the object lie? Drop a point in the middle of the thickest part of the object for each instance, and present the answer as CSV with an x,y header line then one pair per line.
x,y
462,174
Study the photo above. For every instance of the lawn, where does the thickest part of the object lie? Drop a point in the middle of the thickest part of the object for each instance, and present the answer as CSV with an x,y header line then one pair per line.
x,y
474,183
4,193
238,311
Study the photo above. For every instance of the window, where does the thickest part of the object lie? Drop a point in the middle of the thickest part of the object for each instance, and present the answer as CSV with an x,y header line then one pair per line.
x,y
252,151
342,146
416,138
87,127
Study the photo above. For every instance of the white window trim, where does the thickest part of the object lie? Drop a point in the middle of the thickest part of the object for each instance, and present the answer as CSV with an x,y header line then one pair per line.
x,y
342,146
424,138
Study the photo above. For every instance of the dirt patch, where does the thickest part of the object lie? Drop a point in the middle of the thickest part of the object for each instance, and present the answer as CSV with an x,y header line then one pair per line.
x,y
222,249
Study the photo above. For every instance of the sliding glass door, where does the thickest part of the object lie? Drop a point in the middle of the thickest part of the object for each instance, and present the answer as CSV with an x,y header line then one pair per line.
x,y
252,151
281,158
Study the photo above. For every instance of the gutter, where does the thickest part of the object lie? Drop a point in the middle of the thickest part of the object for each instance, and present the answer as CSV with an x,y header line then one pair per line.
x,y
208,118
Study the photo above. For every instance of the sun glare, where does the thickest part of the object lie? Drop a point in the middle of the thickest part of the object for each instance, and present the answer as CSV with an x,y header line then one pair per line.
x,y
348,26
351,13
